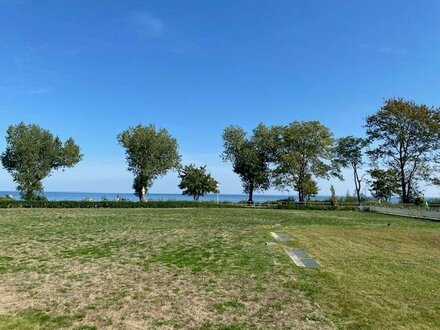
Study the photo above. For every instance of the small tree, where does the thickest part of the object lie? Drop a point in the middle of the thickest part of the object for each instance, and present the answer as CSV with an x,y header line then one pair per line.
x,y
196,182
308,186
349,153
384,184
32,154
333,197
249,157
150,154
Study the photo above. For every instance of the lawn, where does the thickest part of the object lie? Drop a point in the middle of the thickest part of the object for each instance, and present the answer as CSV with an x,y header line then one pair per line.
x,y
211,269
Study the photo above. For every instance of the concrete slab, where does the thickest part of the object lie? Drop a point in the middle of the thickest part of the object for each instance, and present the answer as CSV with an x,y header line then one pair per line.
x,y
307,262
294,258
282,237
300,253
310,263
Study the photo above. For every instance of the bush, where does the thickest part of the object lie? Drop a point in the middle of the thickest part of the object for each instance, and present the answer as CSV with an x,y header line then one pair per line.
x,y
333,199
419,200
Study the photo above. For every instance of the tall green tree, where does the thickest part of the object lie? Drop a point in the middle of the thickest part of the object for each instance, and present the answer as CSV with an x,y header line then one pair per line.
x,y
196,182
406,138
384,183
150,154
349,152
305,151
32,154
249,157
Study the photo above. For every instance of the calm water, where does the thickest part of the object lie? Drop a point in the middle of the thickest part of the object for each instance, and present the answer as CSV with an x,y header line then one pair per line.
x,y
79,196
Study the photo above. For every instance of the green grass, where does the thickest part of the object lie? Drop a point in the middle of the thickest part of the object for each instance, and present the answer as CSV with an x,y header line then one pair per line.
x,y
211,269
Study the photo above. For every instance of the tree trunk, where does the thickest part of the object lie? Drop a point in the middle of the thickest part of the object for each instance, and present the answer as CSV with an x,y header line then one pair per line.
x,y
405,192
251,193
300,196
357,184
142,195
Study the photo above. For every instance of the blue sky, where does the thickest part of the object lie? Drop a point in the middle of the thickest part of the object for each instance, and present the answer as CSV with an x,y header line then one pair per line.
x,y
89,69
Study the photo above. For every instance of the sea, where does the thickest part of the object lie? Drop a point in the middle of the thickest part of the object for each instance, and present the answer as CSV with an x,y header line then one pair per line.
x,y
97,196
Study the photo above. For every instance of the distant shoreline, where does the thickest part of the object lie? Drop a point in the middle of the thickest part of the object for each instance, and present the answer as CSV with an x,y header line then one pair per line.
x,y
98,196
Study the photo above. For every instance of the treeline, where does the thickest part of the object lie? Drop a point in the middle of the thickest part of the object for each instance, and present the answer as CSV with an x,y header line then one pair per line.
x,y
400,155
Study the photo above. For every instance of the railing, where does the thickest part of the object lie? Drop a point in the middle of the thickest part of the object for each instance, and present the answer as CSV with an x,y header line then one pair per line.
x,y
316,205
408,210
420,212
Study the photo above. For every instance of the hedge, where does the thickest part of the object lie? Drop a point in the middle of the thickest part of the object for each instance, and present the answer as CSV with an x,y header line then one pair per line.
x,y
172,204
111,204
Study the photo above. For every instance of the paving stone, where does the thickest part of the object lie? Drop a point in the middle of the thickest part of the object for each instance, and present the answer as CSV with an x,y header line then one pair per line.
x,y
301,262
310,263
282,237
300,253
294,258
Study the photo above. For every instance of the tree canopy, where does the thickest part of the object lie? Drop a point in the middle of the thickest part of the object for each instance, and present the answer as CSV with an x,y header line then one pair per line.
x,y
150,154
406,138
196,182
249,157
305,150
32,153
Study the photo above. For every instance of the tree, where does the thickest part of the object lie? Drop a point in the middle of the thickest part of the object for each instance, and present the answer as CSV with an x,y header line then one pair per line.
x,y
333,198
305,150
32,154
249,157
384,184
150,154
308,186
349,153
196,182
407,136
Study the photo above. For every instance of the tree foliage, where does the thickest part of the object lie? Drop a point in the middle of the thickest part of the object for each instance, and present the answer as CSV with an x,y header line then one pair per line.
x,y
349,152
150,154
384,183
249,157
32,154
308,186
407,137
196,182
305,150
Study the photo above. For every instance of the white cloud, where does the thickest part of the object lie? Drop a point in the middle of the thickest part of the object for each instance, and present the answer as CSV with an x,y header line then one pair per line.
x,y
147,24
387,50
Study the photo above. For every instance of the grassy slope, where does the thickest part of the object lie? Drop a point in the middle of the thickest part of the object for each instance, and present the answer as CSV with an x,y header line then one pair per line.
x,y
209,268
